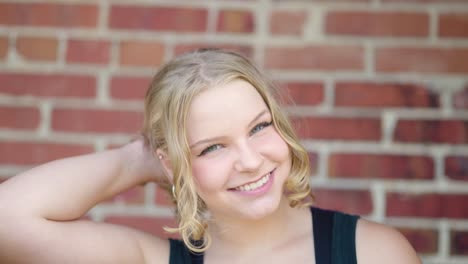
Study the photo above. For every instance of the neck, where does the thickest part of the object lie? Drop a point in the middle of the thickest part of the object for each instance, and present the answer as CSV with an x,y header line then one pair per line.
x,y
240,235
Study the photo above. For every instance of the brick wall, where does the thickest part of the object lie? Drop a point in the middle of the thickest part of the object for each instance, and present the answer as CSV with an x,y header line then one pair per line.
x,y
380,86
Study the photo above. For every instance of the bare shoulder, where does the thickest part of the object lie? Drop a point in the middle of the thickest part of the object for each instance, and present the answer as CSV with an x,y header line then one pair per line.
x,y
378,243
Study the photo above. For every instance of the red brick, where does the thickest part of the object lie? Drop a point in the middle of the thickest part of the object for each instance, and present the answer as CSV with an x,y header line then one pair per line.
x,y
337,128
96,120
135,195
243,49
325,1
163,198
456,167
141,53
326,58
432,131
125,87
422,60
427,205
460,99
37,48
47,85
424,241
318,1
19,117
453,25
425,1
88,51
377,24
3,47
30,153
48,14
235,21
313,160
302,93
287,22
158,18
367,94
459,243
349,201
151,225
380,166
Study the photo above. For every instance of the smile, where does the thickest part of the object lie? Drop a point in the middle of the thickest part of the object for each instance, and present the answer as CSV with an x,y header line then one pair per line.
x,y
254,185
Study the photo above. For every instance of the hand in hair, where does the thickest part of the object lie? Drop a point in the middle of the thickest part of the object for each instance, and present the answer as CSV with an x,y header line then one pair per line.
x,y
142,162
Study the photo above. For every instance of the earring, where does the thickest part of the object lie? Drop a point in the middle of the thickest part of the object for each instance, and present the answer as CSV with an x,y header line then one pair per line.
x,y
160,156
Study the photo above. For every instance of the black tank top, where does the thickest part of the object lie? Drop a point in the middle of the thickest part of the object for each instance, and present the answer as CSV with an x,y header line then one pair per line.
x,y
334,240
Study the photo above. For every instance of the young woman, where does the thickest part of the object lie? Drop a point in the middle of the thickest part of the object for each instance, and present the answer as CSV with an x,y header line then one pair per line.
x,y
215,137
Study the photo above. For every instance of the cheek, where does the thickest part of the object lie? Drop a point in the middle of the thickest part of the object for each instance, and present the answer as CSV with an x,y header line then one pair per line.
x,y
209,175
274,146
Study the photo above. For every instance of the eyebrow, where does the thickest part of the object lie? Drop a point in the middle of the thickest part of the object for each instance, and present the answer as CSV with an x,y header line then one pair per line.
x,y
217,138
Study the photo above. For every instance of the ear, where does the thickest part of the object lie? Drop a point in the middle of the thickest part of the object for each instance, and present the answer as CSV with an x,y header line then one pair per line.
x,y
166,163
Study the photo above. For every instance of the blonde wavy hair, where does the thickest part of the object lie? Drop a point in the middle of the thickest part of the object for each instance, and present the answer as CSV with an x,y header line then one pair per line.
x,y
167,102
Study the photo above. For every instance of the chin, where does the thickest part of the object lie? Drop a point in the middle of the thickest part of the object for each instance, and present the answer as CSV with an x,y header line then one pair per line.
x,y
269,204
259,213
263,207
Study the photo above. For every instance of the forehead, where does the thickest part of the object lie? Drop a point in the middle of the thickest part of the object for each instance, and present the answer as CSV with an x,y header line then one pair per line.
x,y
218,110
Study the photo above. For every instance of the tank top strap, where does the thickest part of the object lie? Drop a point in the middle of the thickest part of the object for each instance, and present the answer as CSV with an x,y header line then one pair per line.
x,y
322,225
334,237
178,253
344,238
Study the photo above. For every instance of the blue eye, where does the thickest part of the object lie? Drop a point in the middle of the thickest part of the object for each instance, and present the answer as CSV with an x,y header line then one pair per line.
x,y
259,127
210,149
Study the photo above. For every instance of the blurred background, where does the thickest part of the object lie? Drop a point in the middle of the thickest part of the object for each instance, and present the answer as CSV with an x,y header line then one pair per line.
x,y
380,91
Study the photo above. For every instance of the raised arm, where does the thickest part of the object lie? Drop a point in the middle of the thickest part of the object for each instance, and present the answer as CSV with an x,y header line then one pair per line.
x,y
40,207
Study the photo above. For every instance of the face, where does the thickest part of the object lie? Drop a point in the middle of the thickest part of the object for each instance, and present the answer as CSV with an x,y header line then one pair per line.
x,y
239,161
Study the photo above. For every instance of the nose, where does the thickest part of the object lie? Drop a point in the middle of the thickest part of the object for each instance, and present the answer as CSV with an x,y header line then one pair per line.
x,y
249,159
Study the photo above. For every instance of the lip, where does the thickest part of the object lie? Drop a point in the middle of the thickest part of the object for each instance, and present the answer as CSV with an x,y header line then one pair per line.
x,y
252,180
259,191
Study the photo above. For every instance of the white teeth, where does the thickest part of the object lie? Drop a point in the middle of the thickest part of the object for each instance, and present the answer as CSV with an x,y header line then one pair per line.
x,y
254,185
